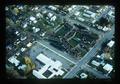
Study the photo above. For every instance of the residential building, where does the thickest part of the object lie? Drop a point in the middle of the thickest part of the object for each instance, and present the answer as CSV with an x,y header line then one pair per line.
x,y
13,60
111,43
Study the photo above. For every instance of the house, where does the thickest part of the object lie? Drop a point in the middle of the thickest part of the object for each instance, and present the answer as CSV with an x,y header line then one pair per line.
x,y
29,44
81,19
25,25
52,7
77,13
83,75
91,13
53,18
94,62
98,56
17,33
13,60
93,21
39,15
23,49
105,28
69,9
23,38
17,54
50,69
86,7
44,11
111,13
50,15
108,68
86,15
22,67
35,30
33,19
36,8
111,43
43,34
73,6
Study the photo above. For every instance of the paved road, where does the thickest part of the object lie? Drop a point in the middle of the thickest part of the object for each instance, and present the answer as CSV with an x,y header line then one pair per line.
x,y
41,43
89,55
93,51
95,72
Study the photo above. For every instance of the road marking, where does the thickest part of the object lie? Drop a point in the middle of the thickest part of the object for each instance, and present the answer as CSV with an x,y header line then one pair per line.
x,y
55,52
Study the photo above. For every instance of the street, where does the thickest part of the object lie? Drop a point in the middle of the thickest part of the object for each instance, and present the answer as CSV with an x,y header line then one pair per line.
x,y
89,55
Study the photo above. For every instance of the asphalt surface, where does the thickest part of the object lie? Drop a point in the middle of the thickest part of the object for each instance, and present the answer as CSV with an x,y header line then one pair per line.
x,y
89,55
59,53
38,48
93,51
95,72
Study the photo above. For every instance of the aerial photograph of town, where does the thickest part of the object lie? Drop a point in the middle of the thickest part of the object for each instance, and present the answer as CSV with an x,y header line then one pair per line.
x,y
60,41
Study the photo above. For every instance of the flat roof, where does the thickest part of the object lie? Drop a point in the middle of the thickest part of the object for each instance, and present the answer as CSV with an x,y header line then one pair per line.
x,y
13,60
111,43
95,63
108,68
53,66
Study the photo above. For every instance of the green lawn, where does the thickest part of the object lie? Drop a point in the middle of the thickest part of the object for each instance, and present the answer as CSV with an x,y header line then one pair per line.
x,y
62,31
73,42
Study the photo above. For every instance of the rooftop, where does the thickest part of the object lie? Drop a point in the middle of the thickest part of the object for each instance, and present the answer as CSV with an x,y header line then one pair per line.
x,y
83,75
13,60
111,43
54,67
108,68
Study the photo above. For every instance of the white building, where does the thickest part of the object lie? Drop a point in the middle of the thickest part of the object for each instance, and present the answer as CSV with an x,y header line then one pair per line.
x,y
53,67
17,33
93,21
52,7
86,15
43,34
53,18
98,56
13,60
108,68
111,43
38,15
91,13
87,7
77,13
81,19
110,13
29,44
33,19
83,75
25,25
95,63
105,28
22,67
69,9
35,30
17,54
50,15
23,49
23,38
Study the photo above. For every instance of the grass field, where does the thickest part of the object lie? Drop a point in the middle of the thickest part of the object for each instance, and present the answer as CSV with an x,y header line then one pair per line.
x,y
63,31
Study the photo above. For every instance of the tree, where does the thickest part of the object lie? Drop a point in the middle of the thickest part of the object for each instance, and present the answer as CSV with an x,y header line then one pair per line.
x,y
29,63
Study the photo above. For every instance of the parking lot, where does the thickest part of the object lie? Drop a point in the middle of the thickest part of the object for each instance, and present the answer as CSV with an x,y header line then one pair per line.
x,y
37,49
